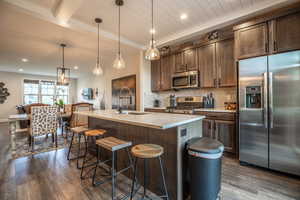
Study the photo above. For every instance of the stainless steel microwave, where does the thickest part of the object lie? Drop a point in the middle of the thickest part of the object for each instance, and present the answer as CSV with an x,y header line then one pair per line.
x,y
185,80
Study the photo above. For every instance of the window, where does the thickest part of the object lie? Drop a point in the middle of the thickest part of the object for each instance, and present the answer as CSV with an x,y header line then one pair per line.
x,y
46,92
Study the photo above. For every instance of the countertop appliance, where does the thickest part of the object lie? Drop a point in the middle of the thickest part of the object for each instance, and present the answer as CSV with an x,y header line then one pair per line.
x,y
185,80
186,105
269,111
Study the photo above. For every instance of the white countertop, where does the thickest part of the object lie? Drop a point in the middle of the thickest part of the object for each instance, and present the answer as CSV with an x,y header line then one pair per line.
x,y
151,120
214,110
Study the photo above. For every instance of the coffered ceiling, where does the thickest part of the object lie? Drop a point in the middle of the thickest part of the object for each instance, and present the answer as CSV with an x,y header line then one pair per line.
x,y
30,29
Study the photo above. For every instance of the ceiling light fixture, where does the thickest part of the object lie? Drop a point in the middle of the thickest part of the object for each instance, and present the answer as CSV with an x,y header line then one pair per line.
x,y
63,74
98,70
24,60
21,70
76,67
119,62
152,52
183,16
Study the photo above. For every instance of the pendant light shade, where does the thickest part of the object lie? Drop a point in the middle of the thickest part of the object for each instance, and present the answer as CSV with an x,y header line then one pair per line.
x,y
152,52
98,70
119,62
63,74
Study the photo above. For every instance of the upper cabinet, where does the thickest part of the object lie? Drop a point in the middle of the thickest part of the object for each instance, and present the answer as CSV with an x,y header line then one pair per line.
x,y
207,65
167,70
226,69
286,33
185,61
252,41
155,76
179,63
267,36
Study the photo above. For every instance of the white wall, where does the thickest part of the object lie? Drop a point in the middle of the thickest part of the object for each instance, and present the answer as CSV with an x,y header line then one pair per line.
x,y
103,82
14,83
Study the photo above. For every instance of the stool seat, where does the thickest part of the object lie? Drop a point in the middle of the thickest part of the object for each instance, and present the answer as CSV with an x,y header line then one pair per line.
x,y
112,143
95,132
79,129
147,150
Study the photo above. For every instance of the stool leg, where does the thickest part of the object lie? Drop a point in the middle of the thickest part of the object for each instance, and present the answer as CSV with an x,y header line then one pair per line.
x,y
78,150
145,177
84,157
95,171
163,178
113,176
134,178
70,147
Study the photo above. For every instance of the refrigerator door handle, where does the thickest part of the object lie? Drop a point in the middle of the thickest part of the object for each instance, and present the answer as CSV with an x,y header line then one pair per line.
x,y
271,98
265,96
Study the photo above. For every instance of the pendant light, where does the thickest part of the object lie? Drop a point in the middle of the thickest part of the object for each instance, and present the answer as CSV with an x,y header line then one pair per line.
x,y
98,70
63,74
152,52
119,61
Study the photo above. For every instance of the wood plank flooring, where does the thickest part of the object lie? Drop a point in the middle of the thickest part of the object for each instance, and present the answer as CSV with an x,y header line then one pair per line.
x,y
50,176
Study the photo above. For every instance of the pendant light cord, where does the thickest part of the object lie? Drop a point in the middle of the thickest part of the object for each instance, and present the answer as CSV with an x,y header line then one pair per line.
x,y
98,49
63,57
119,50
152,39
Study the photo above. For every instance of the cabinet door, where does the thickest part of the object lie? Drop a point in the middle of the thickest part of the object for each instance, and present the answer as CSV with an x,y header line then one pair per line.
x,y
225,63
208,128
252,41
207,66
155,75
167,69
286,33
179,63
225,132
190,60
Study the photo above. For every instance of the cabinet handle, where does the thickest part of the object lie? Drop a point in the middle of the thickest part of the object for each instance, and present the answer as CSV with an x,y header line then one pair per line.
x,y
275,45
219,82
267,47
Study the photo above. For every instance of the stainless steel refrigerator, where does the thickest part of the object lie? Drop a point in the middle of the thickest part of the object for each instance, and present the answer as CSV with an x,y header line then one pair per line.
x,y
269,111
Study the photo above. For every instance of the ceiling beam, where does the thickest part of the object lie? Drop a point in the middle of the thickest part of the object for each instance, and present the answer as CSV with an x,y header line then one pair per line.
x,y
64,9
47,15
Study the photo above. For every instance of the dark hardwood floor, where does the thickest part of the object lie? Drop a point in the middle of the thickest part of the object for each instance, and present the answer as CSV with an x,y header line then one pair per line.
x,y
50,176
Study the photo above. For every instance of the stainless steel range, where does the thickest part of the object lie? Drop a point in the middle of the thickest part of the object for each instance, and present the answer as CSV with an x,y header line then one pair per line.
x,y
186,105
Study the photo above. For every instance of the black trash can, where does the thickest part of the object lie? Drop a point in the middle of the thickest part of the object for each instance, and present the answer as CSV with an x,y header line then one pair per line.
x,y
205,165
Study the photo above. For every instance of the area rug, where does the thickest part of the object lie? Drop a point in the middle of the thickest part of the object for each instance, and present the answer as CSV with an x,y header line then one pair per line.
x,y
41,144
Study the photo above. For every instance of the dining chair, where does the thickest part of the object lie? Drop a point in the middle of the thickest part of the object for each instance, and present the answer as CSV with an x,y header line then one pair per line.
x,y
43,121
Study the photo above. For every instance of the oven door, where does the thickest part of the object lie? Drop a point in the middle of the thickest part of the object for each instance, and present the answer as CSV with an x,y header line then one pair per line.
x,y
182,81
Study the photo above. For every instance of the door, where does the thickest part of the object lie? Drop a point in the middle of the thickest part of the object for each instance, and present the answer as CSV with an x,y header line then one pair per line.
x,y
252,41
208,128
207,66
179,63
190,60
167,70
253,111
285,112
155,75
225,63
286,31
225,133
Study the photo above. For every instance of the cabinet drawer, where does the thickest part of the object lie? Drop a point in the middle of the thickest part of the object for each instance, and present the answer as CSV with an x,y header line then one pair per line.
x,y
217,115
155,110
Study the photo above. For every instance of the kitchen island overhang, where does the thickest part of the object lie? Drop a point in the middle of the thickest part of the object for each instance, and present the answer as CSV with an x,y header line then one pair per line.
x,y
171,131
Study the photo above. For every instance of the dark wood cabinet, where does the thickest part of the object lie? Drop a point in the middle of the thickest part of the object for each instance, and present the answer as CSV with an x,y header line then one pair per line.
x,y
285,32
226,69
179,63
225,133
189,58
208,128
252,41
207,66
155,75
167,70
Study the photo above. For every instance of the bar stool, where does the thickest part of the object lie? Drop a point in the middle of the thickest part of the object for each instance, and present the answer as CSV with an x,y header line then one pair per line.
x,y
96,133
113,145
146,152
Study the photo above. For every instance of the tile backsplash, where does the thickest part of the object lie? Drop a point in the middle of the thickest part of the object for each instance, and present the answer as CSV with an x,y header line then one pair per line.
x,y
221,95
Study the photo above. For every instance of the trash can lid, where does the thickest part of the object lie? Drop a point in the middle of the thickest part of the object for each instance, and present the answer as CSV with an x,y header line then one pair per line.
x,y
205,145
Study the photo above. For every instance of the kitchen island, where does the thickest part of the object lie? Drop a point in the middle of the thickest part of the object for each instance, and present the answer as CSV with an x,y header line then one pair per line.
x,y
171,131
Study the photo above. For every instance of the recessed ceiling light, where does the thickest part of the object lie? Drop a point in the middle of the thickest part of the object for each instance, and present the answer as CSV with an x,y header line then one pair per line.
x,y
20,70
152,31
75,67
24,60
183,16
